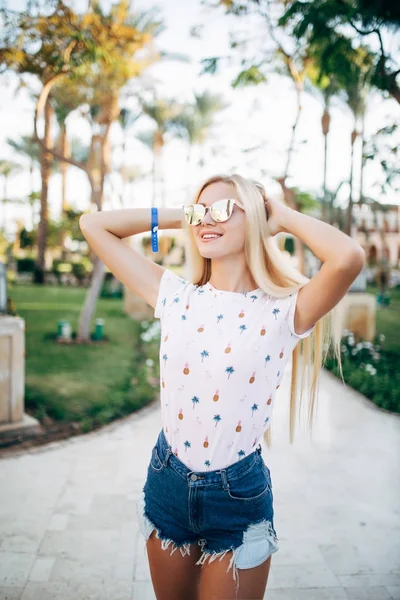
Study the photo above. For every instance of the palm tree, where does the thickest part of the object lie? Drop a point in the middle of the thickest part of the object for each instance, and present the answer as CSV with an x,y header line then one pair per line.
x,y
162,112
229,370
254,408
204,354
217,419
7,169
194,122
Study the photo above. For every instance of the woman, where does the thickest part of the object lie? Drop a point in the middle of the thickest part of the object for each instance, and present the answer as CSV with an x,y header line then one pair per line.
x,y
226,336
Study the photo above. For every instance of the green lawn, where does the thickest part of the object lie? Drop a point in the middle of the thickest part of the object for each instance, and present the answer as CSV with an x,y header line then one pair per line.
x,y
388,319
87,384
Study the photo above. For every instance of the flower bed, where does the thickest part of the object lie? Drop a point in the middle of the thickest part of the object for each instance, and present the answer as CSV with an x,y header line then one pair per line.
x,y
370,369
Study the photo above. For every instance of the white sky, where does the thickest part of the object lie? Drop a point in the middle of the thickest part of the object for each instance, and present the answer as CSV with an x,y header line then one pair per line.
x,y
257,115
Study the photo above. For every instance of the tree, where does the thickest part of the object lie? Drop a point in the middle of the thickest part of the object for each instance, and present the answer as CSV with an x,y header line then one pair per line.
x,y
7,169
162,112
337,23
194,123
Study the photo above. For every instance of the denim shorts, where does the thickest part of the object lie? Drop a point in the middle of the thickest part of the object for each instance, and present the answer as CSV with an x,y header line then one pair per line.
x,y
222,510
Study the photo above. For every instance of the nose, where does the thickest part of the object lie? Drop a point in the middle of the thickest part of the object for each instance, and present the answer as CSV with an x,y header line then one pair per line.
x,y
207,219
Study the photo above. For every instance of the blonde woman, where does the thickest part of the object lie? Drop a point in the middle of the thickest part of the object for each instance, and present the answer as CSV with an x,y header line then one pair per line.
x,y
226,336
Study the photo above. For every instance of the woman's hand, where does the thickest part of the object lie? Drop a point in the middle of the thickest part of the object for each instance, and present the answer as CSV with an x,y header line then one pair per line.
x,y
276,212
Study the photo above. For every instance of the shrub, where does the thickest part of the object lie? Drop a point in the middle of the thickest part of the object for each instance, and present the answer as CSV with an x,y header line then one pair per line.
x,y
370,369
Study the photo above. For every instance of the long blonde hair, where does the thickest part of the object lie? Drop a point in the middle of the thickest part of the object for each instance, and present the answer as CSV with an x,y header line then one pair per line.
x,y
274,273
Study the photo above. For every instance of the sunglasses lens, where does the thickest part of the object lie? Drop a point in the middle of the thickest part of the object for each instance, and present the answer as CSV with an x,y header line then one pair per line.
x,y
194,213
222,210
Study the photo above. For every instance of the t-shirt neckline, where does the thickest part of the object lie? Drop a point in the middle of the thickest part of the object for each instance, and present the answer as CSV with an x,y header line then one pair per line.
x,y
214,289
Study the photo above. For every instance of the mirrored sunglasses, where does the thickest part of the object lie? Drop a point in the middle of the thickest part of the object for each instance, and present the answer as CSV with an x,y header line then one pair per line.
x,y
220,211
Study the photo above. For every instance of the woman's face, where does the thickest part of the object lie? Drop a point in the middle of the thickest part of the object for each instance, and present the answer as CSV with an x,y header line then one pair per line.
x,y
233,230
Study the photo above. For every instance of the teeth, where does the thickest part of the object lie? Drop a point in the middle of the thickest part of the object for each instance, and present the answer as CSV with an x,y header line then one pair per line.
x,y
210,236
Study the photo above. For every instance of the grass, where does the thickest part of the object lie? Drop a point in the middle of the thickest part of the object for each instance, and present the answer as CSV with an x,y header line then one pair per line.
x,y
388,319
86,384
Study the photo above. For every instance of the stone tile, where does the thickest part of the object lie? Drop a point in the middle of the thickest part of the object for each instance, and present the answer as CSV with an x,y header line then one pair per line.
x,y
15,568
370,593
142,570
302,576
58,522
305,594
99,590
88,570
345,559
394,591
21,533
370,580
143,590
10,593
80,544
42,568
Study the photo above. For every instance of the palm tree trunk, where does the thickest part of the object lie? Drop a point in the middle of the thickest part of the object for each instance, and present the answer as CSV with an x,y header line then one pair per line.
x,y
349,212
100,161
46,160
64,170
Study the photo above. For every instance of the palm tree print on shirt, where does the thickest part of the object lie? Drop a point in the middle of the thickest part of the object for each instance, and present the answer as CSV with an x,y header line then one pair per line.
x,y
195,400
275,312
217,419
204,354
219,317
243,328
229,370
175,301
207,464
253,409
187,445
165,358
267,359
253,298
241,453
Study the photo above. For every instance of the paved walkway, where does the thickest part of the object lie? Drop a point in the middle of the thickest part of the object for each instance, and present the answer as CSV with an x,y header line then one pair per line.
x,y
68,528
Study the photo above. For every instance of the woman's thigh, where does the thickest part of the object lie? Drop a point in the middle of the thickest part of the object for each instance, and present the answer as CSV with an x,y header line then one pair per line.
x,y
174,576
215,583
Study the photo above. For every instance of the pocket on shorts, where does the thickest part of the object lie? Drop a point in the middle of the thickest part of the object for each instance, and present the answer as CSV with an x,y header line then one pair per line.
x,y
253,485
155,462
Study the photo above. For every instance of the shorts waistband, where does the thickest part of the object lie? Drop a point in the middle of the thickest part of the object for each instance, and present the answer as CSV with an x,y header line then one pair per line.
x,y
166,455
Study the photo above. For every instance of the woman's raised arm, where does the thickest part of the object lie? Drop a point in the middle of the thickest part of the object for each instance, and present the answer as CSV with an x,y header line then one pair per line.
x,y
104,232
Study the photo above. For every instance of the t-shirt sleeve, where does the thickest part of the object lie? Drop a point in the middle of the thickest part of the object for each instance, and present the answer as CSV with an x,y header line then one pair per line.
x,y
292,309
170,284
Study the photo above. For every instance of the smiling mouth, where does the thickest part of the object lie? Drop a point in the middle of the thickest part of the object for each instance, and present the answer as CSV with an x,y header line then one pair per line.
x,y
210,239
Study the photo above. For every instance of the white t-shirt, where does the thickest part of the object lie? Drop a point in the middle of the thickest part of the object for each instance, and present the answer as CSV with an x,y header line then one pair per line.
x,y
222,358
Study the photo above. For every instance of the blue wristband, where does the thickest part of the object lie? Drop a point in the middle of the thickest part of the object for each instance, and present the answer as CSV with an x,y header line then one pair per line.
x,y
154,229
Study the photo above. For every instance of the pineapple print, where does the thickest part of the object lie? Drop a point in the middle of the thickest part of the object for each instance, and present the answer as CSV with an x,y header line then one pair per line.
x,y
281,353
216,396
241,314
205,443
269,400
163,383
187,306
201,328
252,378
262,331
166,337
228,348
180,416
186,369
239,427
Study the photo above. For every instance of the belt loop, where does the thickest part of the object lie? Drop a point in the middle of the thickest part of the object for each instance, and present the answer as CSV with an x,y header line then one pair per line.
x,y
169,452
259,449
224,479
